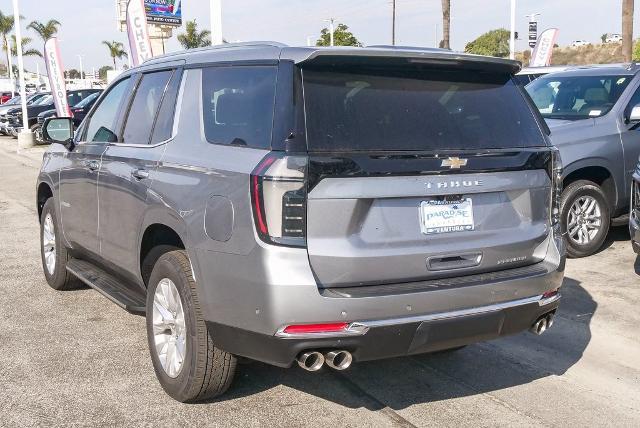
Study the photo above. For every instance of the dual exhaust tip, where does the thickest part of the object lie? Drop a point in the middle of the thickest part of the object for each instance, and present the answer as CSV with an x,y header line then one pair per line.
x,y
542,324
313,360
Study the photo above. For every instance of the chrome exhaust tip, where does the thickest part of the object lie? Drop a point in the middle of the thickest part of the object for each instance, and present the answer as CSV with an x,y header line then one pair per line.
x,y
550,319
539,326
338,360
311,361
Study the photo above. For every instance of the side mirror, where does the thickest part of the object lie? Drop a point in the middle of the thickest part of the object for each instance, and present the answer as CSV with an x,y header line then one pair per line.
x,y
634,116
58,130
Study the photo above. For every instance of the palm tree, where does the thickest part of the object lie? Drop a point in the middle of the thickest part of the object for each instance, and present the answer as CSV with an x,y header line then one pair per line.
x,y
116,50
6,27
193,38
46,30
446,24
25,50
627,29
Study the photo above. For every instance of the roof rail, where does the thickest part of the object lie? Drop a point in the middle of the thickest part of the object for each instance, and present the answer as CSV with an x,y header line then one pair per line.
x,y
409,48
218,47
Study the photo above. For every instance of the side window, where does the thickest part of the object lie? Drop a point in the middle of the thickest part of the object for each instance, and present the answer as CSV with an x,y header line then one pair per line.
x,y
146,102
164,123
238,105
101,126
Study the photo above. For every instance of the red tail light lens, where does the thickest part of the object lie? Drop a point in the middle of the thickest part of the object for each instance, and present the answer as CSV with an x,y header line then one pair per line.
x,y
556,186
279,199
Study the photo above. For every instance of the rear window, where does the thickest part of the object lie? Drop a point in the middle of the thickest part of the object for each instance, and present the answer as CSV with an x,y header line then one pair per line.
x,y
238,104
416,110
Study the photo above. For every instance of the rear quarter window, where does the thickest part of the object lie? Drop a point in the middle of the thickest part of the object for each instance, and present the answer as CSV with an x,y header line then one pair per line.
x,y
238,104
411,110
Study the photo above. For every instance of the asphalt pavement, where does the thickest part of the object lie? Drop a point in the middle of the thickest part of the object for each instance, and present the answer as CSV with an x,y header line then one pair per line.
x,y
74,358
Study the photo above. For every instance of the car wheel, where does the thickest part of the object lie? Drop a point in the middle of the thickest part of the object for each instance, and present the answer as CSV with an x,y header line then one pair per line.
x,y
54,253
186,361
37,133
585,218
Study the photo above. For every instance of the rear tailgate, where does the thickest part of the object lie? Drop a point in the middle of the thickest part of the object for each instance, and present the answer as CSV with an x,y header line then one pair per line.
x,y
418,173
368,229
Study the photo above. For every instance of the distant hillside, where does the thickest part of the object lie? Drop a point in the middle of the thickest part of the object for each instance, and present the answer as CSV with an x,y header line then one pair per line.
x,y
590,54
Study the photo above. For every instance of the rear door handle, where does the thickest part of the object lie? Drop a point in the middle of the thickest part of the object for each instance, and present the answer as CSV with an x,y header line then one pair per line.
x,y
93,165
140,173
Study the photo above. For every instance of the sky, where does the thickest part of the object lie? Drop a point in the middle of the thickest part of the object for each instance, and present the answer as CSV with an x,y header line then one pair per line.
x,y
86,23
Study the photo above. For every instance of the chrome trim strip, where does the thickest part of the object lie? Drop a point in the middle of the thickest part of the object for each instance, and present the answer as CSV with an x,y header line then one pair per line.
x,y
360,328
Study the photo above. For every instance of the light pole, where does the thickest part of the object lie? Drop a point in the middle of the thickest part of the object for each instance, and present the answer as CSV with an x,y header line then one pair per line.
x,y
24,137
216,22
81,70
393,25
512,37
331,30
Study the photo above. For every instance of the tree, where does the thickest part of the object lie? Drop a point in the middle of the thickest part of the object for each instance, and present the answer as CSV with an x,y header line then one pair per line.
x,y
102,71
341,37
492,43
604,38
6,27
193,38
116,51
26,51
627,29
73,74
46,30
446,24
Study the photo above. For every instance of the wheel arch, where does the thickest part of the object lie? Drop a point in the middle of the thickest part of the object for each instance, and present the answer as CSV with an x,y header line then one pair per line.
x,y
43,193
598,174
162,236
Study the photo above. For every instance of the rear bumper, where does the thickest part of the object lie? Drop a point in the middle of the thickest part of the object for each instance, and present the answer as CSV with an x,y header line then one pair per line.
x,y
392,338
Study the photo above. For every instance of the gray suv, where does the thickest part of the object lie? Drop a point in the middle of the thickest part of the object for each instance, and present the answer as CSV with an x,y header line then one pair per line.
x,y
590,111
309,205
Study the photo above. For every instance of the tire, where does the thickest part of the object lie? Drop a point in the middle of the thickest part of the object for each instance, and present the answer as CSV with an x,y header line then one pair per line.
x,y
574,199
37,134
52,249
205,371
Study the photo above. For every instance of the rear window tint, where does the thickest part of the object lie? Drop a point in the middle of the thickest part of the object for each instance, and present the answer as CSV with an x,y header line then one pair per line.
x,y
406,110
238,105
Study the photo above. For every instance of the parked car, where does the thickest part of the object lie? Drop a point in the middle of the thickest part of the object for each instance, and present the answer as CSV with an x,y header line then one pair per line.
x,y
78,111
12,104
529,74
613,38
14,116
318,205
5,96
589,111
579,43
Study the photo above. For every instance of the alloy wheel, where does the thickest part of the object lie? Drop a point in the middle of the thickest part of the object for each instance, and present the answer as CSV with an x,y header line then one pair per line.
x,y
169,327
584,220
49,244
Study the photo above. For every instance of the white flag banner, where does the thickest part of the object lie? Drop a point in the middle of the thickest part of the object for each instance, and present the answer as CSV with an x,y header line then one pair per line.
x,y
139,44
541,55
56,77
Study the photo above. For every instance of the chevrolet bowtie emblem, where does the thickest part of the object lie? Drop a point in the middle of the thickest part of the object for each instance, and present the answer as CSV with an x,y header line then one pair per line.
x,y
454,162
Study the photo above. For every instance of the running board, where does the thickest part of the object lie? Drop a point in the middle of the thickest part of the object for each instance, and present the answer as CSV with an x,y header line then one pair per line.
x,y
132,299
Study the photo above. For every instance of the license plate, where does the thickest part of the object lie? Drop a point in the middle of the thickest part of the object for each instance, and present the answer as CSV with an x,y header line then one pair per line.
x,y
446,216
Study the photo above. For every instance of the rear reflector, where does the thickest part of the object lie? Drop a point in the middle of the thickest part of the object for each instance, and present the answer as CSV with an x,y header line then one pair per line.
x,y
316,328
548,294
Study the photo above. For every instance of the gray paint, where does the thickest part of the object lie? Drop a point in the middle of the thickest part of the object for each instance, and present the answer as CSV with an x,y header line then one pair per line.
x,y
243,282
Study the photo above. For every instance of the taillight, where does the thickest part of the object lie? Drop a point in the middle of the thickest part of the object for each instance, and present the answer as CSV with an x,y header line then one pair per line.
x,y
279,199
556,186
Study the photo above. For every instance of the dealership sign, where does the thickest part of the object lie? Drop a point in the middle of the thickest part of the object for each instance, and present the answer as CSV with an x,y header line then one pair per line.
x,y
164,12
541,55
56,77
139,43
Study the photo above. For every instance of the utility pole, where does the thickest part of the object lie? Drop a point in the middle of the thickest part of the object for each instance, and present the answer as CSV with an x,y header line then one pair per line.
x,y
331,30
24,137
81,70
216,22
512,37
627,30
436,42
393,24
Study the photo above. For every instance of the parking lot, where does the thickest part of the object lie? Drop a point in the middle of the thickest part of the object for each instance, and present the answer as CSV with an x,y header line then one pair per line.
x,y
75,358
